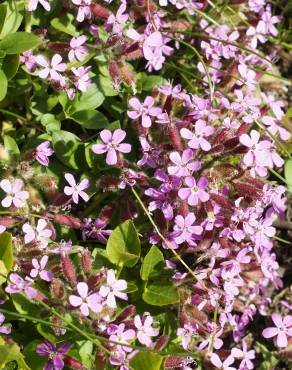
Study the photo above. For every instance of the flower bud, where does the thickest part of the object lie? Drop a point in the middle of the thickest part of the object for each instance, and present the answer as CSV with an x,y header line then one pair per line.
x,y
161,343
100,12
68,269
72,363
69,221
57,288
86,261
126,313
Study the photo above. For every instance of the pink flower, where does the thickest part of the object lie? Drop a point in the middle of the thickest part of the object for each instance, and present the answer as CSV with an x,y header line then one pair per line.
x,y
29,60
84,10
39,234
112,289
184,165
185,230
18,284
86,301
216,361
194,192
3,329
123,337
15,195
144,110
39,269
51,69
245,355
78,51
197,139
76,190
145,330
112,144
186,334
2,229
81,78
282,330
32,5
118,21
43,151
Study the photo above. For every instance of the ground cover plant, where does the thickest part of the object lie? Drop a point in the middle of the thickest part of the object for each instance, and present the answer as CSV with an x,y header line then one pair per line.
x,y
145,185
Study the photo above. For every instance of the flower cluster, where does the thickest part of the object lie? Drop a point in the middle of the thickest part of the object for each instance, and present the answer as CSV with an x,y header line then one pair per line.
x,y
196,156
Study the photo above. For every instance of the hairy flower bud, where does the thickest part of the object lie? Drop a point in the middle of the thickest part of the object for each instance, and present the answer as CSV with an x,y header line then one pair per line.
x,y
57,288
66,220
86,261
68,269
126,313
100,12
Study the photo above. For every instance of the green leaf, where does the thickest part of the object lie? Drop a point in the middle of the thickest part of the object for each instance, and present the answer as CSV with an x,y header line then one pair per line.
x,y
146,360
147,82
69,149
123,246
150,263
11,352
86,353
13,17
288,173
106,85
160,293
90,119
6,250
3,85
65,24
269,360
3,11
35,361
3,273
11,145
90,99
10,65
50,122
18,42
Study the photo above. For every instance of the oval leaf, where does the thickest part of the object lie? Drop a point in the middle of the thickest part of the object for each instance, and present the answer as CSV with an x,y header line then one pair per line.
x,y
18,42
3,85
160,294
90,119
151,261
6,251
123,246
146,360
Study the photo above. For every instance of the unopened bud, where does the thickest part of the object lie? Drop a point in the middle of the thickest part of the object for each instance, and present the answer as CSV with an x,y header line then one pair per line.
x,y
126,313
86,261
57,288
68,221
68,269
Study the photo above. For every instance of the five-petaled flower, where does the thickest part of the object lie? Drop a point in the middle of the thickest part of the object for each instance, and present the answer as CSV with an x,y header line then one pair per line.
x,y
55,355
78,50
39,269
42,152
112,145
40,234
76,190
86,301
112,289
145,110
17,284
51,68
145,331
15,195
195,191
282,330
